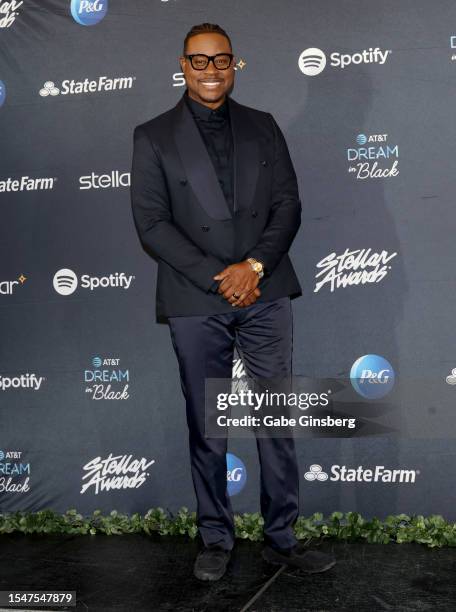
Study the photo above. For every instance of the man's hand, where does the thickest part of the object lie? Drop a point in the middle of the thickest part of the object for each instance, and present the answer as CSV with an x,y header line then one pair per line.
x,y
250,299
242,281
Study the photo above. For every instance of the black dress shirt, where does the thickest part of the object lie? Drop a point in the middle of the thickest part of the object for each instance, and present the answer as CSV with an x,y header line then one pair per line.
x,y
215,129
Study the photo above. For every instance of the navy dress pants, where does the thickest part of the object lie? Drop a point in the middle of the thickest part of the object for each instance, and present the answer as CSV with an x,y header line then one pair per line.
x,y
204,346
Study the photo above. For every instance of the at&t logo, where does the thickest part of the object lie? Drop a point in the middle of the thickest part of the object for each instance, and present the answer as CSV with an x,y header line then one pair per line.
x,y
107,370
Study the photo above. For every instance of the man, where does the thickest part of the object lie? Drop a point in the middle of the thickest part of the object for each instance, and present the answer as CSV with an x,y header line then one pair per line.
x,y
215,201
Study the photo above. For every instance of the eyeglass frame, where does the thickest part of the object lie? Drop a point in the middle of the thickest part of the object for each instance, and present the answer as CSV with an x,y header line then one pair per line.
x,y
210,58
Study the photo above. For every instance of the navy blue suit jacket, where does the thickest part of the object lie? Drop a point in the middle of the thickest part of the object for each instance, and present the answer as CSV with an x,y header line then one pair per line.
x,y
183,219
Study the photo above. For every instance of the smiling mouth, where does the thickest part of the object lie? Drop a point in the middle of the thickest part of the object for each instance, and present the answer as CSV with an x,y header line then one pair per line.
x,y
211,84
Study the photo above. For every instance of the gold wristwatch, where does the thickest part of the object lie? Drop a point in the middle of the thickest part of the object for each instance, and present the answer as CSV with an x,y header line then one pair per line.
x,y
257,266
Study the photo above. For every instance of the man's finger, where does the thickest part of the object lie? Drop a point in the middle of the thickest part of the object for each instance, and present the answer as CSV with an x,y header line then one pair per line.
x,y
243,295
223,274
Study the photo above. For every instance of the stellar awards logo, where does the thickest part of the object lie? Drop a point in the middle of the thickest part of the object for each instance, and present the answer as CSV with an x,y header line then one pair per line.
x,y
9,12
350,268
115,473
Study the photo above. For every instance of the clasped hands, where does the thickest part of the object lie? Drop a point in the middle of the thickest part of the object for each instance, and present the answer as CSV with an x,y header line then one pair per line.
x,y
239,284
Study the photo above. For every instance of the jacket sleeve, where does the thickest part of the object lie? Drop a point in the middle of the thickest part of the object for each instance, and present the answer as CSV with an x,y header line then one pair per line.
x,y
153,218
285,213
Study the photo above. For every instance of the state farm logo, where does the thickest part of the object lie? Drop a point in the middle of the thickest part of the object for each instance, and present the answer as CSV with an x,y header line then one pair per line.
x,y
316,473
65,281
72,87
27,183
379,473
451,378
49,89
312,61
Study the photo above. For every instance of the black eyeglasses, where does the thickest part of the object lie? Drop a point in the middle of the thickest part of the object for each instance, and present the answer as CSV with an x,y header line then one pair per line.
x,y
200,61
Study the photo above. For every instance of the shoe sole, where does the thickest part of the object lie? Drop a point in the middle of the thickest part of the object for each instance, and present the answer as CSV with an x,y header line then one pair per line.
x,y
206,577
280,561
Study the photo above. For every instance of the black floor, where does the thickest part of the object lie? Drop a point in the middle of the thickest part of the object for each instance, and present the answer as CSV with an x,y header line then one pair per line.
x,y
141,573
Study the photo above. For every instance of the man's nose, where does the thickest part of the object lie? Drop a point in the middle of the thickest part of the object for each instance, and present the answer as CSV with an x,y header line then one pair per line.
x,y
210,68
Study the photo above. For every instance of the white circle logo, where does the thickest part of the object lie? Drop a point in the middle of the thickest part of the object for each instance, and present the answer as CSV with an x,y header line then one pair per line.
x,y
65,281
49,89
316,473
312,61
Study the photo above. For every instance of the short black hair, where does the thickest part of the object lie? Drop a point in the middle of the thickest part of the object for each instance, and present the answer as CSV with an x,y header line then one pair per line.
x,y
204,28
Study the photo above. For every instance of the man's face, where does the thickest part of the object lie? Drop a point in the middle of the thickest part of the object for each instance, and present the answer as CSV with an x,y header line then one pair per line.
x,y
210,85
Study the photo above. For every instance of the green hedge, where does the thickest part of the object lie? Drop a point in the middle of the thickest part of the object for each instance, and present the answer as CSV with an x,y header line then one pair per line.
x,y
433,531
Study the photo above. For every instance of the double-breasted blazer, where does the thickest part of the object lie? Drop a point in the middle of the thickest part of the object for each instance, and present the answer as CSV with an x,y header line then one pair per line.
x,y
184,222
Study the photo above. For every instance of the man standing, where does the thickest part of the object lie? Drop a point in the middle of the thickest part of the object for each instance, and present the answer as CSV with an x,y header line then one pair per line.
x,y
215,201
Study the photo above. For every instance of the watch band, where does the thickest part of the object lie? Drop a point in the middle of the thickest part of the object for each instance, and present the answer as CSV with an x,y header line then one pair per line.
x,y
257,266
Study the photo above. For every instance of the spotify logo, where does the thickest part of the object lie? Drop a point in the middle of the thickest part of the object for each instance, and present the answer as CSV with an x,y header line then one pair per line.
x,y
312,61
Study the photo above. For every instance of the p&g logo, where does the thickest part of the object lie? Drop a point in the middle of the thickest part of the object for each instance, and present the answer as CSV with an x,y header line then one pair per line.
x,y
88,13
372,376
236,474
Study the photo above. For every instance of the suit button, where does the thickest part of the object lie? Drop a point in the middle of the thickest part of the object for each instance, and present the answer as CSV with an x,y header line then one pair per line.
x,y
254,213
183,181
264,162
220,181
205,228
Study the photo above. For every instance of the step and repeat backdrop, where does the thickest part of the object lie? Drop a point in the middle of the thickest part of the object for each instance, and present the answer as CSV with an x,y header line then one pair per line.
x,y
91,410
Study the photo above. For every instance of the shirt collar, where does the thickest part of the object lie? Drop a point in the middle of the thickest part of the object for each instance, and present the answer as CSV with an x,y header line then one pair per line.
x,y
204,112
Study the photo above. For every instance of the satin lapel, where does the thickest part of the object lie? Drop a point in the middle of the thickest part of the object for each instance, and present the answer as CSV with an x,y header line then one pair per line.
x,y
198,166
246,156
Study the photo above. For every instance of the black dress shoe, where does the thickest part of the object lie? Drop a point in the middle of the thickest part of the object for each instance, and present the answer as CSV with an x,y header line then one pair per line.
x,y
308,561
210,564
